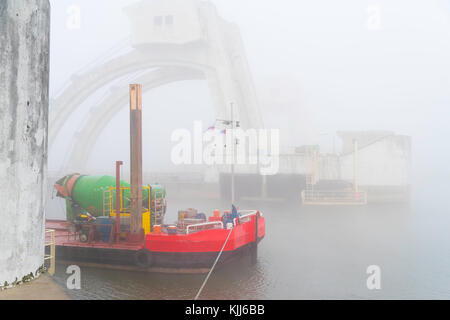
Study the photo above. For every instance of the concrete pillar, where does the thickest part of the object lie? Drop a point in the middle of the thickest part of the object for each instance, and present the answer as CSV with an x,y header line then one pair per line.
x,y
24,75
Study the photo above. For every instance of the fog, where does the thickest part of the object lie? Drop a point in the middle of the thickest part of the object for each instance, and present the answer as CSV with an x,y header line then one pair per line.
x,y
318,67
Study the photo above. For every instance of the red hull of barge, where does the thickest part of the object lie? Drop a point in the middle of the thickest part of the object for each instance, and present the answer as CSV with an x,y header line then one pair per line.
x,y
161,252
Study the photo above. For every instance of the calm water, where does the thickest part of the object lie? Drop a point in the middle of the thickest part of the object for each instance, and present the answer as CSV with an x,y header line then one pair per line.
x,y
310,253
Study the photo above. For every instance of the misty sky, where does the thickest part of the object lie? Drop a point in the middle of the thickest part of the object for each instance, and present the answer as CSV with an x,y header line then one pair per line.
x,y
317,66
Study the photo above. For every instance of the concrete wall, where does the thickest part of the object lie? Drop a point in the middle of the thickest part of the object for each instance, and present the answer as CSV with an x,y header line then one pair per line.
x,y
329,167
24,72
382,163
364,138
386,162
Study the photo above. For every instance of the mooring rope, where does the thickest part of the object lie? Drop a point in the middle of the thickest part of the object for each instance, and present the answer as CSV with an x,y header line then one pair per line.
x,y
212,268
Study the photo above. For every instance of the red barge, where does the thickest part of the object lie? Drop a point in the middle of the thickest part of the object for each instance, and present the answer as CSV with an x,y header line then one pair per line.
x,y
115,224
195,251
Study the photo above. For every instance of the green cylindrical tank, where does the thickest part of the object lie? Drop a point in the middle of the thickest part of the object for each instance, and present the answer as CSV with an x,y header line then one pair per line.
x,y
88,192
91,193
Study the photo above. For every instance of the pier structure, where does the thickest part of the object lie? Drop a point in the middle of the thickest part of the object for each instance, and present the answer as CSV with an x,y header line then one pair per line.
x,y
382,163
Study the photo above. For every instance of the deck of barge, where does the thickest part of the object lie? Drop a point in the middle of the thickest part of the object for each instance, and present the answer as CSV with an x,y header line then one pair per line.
x,y
64,238
67,241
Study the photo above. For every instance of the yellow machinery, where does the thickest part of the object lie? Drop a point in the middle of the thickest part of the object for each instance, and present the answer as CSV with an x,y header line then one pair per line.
x,y
125,211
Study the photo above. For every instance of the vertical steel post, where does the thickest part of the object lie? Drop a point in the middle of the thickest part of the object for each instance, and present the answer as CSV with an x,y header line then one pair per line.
x,y
315,167
233,159
254,253
136,158
264,187
118,192
355,166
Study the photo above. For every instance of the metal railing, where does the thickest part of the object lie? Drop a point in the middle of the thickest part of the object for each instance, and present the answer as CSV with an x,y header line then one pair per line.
x,y
204,226
334,197
245,216
51,256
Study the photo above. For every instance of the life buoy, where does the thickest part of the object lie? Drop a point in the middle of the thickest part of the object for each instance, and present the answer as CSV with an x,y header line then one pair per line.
x,y
143,258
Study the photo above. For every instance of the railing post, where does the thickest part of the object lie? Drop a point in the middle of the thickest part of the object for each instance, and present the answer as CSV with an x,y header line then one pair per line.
x,y
51,271
118,205
52,255
355,166
255,243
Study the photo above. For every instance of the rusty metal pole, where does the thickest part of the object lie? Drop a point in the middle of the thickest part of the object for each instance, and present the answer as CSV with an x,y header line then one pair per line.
x,y
136,159
118,191
254,254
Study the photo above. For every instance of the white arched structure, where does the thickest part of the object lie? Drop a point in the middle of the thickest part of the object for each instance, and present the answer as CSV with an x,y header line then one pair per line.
x,y
183,40
101,116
